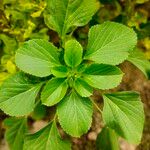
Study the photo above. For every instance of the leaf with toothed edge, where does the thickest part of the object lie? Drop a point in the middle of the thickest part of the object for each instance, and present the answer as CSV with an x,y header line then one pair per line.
x,y
18,94
73,53
75,114
54,91
63,15
102,76
37,57
110,43
83,88
48,138
123,112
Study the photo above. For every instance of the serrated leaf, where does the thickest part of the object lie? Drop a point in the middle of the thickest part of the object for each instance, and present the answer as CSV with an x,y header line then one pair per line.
x,y
102,76
83,88
110,43
138,59
123,112
60,71
62,15
54,91
107,140
47,138
37,57
15,132
75,114
73,53
17,95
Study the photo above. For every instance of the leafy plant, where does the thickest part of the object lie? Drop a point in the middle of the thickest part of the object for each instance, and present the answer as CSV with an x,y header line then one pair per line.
x,y
19,21
66,76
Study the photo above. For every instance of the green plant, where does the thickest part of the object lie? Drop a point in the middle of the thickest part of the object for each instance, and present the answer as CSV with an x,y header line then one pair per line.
x,y
19,21
66,77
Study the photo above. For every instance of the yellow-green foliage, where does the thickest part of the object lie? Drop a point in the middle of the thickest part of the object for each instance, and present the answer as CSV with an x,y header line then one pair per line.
x,y
19,21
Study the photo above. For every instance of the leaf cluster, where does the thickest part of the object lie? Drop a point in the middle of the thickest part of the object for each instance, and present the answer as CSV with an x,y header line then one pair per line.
x,y
66,77
19,21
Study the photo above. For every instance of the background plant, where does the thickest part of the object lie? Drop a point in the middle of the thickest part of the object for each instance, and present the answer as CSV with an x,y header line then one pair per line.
x,y
19,21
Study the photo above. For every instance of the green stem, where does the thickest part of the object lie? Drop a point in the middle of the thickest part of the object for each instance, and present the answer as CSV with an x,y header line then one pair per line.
x,y
63,39
54,118
96,106
37,102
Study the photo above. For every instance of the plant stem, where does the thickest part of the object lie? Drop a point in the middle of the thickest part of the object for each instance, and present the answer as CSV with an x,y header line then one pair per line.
x,y
37,102
96,106
54,118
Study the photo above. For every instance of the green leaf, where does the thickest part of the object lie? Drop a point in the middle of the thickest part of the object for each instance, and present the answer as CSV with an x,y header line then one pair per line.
x,y
103,76
39,112
141,1
18,94
47,138
83,88
75,114
10,44
73,53
107,140
15,132
54,91
110,43
123,112
138,59
63,15
60,71
37,57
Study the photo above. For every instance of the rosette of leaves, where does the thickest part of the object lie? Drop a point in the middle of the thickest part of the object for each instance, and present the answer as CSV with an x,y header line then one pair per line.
x,y
66,76
74,73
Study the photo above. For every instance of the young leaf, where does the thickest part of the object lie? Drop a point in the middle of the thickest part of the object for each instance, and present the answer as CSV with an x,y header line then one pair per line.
x,y
102,76
60,71
123,112
84,89
107,140
61,15
37,57
17,95
73,53
75,114
15,132
110,43
47,138
138,59
54,91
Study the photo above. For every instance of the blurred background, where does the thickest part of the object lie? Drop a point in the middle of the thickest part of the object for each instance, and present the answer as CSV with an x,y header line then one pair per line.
x,y
21,20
